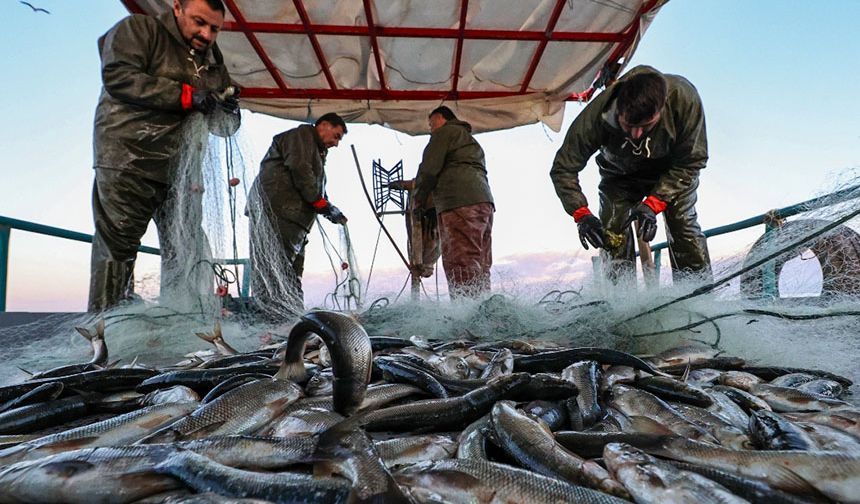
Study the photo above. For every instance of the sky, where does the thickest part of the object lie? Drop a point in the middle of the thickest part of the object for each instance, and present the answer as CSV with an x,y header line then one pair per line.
x,y
778,80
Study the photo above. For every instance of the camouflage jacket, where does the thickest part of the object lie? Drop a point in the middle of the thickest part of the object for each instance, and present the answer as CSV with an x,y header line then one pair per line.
x,y
452,169
292,175
663,163
139,117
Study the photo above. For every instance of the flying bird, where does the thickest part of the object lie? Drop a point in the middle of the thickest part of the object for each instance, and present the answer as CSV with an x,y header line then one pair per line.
x,y
35,9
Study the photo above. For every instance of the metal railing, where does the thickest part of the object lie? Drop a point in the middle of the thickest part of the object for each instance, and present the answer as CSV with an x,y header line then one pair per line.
x,y
769,220
7,224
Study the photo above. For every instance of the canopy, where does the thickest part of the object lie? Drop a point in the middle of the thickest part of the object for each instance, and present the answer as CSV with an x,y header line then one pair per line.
x,y
496,63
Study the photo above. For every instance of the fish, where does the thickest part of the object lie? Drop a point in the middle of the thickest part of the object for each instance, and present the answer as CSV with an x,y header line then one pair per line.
x,y
42,393
792,379
88,476
350,350
835,475
845,420
502,363
217,338
829,438
481,482
784,399
397,371
33,417
742,398
231,383
242,410
415,449
727,434
770,431
686,354
444,414
554,414
632,401
202,380
823,387
555,361
472,441
533,446
116,431
99,360
755,491
738,379
671,389
586,375
204,475
100,380
726,409
654,482
773,372
306,421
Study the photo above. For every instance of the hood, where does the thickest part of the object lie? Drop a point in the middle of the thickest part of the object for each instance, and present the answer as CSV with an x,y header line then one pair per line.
x,y
460,124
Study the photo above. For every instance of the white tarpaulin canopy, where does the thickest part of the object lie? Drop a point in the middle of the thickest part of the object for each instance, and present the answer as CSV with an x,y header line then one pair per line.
x,y
496,63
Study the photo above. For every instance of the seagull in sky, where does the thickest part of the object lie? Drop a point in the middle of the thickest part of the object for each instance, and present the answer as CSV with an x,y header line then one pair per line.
x,y
35,9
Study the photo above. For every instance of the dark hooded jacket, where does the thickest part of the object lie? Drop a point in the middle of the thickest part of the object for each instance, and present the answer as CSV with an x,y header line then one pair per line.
x,y
452,169
292,175
663,163
139,118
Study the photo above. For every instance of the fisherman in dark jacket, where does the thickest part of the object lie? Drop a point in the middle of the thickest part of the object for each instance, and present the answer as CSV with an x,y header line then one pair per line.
x,y
289,193
160,75
650,130
453,171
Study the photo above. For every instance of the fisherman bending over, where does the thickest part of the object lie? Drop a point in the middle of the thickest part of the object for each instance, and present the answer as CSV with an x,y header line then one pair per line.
x,y
650,130
159,73
289,192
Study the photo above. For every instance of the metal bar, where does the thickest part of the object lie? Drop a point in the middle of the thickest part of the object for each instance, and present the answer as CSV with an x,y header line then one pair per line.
x,y
371,28
258,48
550,26
311,33
372,94
458,54
805,206
423,32
60,232
5,234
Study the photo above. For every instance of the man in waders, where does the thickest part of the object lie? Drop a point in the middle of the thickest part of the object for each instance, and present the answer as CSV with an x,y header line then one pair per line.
x,y
454,172
159,75
649,129
285,199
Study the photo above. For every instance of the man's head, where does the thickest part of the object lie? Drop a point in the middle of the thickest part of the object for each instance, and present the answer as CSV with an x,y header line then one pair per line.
x,y
439,117
331,129
639,100
199,21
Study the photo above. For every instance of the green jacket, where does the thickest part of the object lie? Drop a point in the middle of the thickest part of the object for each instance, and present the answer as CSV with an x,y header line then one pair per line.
x,y
292,175
452,169
139,117
663,163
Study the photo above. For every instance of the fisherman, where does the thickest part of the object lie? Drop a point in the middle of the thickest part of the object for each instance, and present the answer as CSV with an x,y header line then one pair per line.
x,y
161,76
454,173
290,192
650,130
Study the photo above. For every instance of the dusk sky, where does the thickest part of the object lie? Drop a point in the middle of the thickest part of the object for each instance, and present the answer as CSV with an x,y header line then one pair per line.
x,y
778,80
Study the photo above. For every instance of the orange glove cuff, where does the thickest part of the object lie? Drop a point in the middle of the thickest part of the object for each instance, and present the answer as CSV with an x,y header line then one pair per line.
x,y
655,203
581,213
185,98
319,204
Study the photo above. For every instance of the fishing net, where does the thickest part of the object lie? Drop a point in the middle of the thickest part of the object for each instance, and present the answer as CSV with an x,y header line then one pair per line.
x,y
786,297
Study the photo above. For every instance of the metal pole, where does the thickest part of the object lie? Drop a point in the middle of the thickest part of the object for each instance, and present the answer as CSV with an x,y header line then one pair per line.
x,y
5,234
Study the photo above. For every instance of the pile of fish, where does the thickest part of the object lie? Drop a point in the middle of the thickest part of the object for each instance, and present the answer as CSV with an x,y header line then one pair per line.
x,y
333,415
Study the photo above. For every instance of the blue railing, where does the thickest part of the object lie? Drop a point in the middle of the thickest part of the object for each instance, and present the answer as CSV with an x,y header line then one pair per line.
x,y
7,224
769,220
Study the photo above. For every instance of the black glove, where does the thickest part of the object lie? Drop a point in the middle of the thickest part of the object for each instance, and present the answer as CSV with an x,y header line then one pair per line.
x,y
647,221
203,100
590,231
229,100
334,214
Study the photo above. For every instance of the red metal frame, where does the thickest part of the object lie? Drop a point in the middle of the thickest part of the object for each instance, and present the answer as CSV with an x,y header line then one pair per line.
x,y
373,31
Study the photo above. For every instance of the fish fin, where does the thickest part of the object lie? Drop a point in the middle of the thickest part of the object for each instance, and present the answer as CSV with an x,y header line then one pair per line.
x,y
790,481
293,371
24,370
86,333
686,373
209,338
646,425
100,328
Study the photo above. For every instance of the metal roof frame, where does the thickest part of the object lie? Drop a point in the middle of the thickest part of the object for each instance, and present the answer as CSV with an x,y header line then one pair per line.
x,y
624,40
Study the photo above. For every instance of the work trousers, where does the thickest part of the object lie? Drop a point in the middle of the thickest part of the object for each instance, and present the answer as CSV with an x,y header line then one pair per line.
x,y
688,247
123,205
467,248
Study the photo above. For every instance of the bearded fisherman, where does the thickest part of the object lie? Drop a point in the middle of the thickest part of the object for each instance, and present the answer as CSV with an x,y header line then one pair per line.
x,y
159,75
